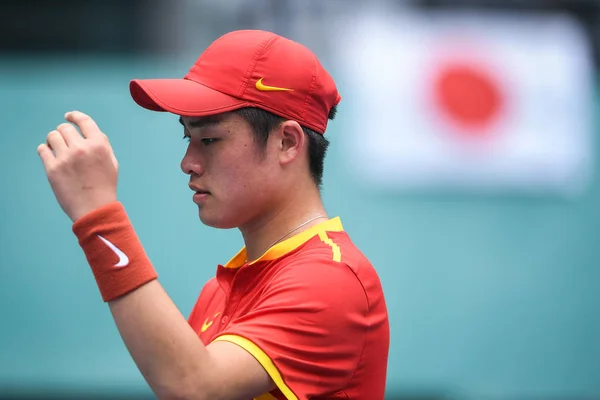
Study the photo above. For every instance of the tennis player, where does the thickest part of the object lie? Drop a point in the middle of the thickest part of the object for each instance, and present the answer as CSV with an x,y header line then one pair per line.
x,y
299,312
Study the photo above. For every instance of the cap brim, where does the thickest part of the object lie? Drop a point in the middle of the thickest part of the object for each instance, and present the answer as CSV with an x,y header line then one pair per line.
x,y
181,97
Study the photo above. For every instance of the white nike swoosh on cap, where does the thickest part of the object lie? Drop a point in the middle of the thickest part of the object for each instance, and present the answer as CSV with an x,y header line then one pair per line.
x,y
123,259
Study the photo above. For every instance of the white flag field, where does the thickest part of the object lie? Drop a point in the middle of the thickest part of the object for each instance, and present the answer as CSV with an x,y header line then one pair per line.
x,y
490,103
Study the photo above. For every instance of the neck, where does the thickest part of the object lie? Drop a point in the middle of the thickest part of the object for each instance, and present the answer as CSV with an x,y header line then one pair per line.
x,y
297,214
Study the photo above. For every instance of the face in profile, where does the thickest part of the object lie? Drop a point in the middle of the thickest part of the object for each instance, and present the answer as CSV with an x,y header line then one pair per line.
x,y
233,181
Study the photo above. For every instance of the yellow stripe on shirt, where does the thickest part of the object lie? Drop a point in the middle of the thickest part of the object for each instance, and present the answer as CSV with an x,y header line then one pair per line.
x,y
337,253
264,360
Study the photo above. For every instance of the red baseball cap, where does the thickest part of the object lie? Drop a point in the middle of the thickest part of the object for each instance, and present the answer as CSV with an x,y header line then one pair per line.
x,y
247,68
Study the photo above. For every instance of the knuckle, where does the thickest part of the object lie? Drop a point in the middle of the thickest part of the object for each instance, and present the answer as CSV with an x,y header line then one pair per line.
x,y
62,126
52,134
95,145
52,170
102,143
79,152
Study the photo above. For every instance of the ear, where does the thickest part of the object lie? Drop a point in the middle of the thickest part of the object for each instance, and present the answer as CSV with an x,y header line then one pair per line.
x,y
291,142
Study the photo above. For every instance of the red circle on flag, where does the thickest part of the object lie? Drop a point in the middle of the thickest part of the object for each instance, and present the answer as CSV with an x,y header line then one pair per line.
x,y
470,96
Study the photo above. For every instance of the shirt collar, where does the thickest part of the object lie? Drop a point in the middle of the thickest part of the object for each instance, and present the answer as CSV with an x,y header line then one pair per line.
x,y
288,245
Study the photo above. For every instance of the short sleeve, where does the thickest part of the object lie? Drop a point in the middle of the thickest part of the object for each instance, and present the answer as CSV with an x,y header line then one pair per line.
x,y
308,329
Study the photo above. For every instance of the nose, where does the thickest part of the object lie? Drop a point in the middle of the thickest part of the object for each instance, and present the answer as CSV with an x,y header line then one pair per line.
x,y
191,163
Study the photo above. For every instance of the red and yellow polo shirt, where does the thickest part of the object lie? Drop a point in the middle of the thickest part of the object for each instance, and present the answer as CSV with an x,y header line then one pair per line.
x,y
311,310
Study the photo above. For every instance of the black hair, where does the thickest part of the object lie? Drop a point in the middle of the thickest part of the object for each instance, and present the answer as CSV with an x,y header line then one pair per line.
x,y
263,122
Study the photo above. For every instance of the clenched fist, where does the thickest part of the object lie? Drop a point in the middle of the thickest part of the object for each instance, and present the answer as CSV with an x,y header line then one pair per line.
x,y
81,168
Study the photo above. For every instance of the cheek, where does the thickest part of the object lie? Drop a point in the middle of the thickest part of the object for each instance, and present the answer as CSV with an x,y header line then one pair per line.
x,y
252,179
248,177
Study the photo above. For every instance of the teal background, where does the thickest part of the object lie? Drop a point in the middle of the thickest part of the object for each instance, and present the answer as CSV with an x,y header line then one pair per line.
x,y
489,297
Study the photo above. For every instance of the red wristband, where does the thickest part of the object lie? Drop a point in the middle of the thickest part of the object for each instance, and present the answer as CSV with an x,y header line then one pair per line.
x,y
113,250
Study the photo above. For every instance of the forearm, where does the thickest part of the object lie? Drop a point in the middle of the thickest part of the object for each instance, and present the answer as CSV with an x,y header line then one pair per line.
x,y
167,351
165,348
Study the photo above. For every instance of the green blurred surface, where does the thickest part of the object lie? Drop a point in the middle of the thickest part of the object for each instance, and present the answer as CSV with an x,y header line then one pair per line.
x,y
489,297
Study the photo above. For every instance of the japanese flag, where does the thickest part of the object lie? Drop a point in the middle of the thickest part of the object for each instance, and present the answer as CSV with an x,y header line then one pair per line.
x,y
475,102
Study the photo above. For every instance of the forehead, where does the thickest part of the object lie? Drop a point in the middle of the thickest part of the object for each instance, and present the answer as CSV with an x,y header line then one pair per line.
x,y
197,122
210,120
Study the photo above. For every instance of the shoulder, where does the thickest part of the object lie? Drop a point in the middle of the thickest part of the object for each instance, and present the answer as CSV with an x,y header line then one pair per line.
x,y
319,271
331,270
330,255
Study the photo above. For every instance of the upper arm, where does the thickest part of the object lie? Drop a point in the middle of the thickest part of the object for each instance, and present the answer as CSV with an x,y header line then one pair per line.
x,y
235,373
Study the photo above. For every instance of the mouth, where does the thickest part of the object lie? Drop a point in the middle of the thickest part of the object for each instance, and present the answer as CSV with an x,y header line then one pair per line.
x,y
200,195
198,190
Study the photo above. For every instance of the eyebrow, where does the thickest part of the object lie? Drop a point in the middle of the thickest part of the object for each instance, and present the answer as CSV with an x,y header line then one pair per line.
x,y
202,122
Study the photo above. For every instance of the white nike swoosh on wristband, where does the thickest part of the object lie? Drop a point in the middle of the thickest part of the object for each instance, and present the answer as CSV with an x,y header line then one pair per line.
x,y
123,259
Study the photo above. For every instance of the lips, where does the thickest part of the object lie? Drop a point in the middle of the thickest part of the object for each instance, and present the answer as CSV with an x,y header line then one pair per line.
x,y
198,189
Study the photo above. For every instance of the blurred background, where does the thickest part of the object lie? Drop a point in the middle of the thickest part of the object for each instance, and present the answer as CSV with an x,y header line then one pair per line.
x,y
463,164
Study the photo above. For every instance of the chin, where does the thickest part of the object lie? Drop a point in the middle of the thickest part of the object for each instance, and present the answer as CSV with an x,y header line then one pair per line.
x,y
215,221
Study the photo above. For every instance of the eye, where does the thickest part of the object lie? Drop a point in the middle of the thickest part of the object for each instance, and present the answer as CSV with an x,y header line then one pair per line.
x,y
207,141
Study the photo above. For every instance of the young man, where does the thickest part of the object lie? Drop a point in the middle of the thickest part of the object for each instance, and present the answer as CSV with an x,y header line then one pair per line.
x,y
299,312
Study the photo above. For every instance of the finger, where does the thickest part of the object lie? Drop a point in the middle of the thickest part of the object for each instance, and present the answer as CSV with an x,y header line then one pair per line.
x,y
46,155
86,124
56,142
69,134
